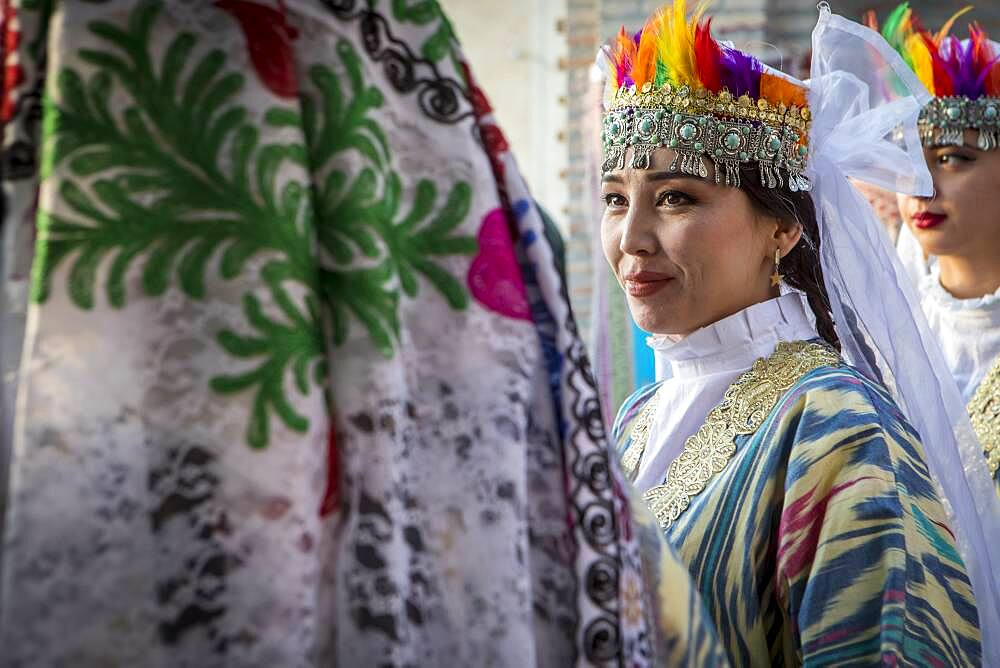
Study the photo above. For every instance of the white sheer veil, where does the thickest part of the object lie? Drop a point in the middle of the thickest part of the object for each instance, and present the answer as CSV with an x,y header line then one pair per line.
x,y
865,102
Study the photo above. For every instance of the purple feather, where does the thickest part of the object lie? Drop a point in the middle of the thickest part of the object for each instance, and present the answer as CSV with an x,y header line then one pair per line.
x,y
961,66
740,73
981,79
626,80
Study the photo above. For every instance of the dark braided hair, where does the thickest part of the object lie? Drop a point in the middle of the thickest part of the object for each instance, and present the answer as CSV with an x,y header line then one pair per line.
x,y
801,266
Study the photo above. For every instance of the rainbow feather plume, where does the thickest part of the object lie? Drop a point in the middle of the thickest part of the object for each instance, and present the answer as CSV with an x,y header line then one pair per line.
x,y
942,62
680,50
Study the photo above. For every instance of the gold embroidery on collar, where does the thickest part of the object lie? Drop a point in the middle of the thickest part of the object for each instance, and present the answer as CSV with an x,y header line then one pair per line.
x,y
640,435
984,409
745,406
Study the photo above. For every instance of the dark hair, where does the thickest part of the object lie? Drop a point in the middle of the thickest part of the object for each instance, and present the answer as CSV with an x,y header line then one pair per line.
x,y
801,266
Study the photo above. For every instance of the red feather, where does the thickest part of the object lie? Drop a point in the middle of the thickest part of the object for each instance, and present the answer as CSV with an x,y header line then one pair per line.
x,y
870,19
992,84
942,82
707,55
985,60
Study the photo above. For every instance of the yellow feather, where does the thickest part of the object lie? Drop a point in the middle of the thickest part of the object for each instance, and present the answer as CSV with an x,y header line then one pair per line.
x,y
921,62
676,47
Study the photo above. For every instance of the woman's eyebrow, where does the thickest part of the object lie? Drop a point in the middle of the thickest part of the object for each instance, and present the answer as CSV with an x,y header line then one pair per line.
x,y
670,176
653,176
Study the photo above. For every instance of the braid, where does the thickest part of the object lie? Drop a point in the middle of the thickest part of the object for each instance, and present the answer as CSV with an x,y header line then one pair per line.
x,y
801,267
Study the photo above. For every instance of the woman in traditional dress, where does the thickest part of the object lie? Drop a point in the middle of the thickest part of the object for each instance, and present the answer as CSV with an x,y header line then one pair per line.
x,y
791,482
958,228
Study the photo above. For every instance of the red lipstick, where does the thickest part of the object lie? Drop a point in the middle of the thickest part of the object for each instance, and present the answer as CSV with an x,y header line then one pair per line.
x,y
646,283
925,220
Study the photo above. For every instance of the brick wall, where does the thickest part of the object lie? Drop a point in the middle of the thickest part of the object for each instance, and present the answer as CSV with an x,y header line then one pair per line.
x,y
583,30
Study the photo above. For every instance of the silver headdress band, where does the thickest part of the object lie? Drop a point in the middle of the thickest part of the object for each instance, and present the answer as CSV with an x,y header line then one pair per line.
x,y
703,125
944,120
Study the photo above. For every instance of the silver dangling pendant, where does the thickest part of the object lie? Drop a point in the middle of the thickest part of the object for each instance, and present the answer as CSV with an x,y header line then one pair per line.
x,y
987,139
732,175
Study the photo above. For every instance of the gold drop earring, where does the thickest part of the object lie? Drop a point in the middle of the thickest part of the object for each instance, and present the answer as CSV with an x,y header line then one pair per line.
x,y
776,276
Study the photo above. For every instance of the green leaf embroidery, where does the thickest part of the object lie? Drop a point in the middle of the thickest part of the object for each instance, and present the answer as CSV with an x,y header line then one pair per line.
x,y
344,123
411,247
278,345
366,294
179,184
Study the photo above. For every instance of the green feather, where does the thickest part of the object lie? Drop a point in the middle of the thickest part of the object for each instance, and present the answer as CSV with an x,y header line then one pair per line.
x,y
662,74
891,28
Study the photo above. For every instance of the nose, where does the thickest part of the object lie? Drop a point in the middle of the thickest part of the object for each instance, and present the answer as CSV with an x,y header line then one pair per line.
x,y
934,185
638,237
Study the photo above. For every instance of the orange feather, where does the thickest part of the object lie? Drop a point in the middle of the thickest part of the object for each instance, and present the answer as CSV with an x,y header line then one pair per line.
x,y
645,59
777,89
623,56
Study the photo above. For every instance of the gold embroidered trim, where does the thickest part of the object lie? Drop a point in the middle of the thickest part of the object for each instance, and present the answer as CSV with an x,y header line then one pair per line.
x,y
984,410
640,435
745,406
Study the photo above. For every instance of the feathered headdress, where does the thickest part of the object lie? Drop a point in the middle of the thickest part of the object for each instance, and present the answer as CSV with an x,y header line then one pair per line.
x,y
672,84
963,76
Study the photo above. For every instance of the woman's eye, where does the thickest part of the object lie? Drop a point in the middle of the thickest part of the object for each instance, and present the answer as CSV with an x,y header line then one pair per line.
x,y
953,159
614,200
673,198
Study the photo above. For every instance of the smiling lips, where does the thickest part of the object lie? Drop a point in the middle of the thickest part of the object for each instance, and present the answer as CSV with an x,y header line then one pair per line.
x,y
925,220
646,283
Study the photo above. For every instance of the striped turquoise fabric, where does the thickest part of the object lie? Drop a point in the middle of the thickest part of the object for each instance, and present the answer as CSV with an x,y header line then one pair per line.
x,y
823,541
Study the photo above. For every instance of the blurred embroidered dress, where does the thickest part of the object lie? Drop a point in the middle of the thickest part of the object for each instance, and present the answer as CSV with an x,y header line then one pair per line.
x,y
300,385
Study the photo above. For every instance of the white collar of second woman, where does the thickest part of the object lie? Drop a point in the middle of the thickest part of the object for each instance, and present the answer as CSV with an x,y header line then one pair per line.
x,y
734,342
934,293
